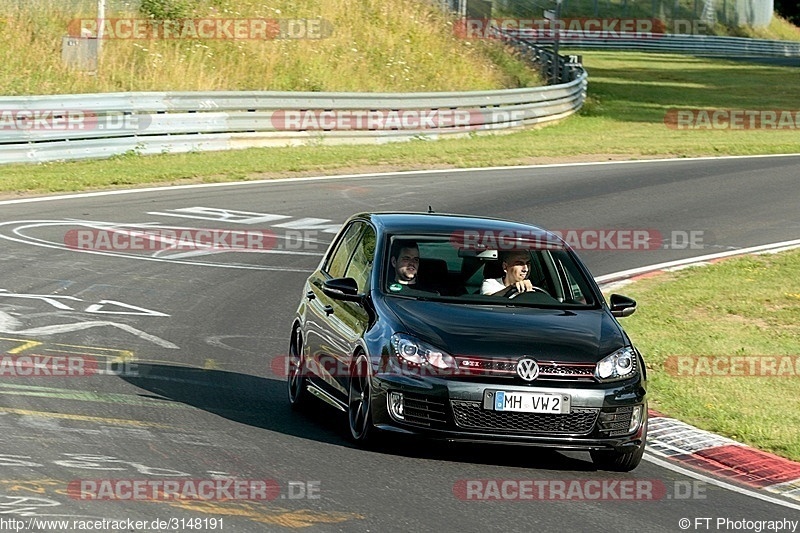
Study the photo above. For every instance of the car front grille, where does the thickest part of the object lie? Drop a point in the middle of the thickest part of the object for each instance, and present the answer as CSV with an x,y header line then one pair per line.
x,y
507,368
471,415
616,421
424,410
568,371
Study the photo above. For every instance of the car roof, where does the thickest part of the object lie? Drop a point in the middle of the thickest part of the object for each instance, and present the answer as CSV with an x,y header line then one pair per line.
x,y
438,223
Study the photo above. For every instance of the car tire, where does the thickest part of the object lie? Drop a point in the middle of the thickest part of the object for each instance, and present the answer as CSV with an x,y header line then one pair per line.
x,y
620,461
296,376
359,402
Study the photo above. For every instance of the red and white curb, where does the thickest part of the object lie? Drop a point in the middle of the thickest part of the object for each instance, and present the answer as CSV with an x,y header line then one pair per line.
x,y
723,457
719,456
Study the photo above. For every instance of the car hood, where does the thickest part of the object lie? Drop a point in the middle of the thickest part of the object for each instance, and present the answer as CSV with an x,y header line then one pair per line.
x,y
585,335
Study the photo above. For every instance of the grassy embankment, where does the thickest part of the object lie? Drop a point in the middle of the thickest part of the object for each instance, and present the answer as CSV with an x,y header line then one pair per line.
x,y
373,45
623,118
692,327
381,45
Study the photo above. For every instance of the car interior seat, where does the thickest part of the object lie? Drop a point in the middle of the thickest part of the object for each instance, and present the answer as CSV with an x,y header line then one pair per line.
x,y
434,273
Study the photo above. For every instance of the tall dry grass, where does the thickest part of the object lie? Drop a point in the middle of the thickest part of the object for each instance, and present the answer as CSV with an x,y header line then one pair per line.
x,y
376,45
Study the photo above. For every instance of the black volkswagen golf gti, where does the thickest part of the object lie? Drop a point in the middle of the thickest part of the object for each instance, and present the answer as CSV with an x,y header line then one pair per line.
x,y
468,329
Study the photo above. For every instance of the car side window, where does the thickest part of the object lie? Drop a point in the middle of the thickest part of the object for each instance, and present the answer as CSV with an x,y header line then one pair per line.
x,y
336,266
360,265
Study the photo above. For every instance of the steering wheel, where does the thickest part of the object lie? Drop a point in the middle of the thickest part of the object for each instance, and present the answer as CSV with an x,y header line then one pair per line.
x,y
513,292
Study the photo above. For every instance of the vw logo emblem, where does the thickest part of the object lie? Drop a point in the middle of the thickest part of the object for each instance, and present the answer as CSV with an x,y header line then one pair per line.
x,y
527,369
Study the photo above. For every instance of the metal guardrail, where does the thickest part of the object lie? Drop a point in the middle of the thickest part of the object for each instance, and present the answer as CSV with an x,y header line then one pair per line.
x,y
700,45
36,129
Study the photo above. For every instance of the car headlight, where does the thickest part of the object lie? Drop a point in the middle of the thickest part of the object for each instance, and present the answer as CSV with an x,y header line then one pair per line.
x,y
619,365
414,354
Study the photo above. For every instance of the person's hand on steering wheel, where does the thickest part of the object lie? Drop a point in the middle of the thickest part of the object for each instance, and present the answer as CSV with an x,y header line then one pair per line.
x,y
522,286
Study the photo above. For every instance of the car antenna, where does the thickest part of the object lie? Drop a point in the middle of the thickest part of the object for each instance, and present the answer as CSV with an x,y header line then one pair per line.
x,y
430,210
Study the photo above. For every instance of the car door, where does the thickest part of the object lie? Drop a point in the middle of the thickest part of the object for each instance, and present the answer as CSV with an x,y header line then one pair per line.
x,y
334,325
353,317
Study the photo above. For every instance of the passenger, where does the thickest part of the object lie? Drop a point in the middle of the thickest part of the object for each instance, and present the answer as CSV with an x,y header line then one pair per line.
x,y
516,268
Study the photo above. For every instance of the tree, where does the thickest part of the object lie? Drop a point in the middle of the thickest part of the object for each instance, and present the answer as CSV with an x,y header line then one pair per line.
x,y
788,9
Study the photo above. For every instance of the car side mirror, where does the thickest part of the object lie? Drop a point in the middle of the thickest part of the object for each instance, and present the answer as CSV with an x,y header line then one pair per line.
x,y
621,306
342,289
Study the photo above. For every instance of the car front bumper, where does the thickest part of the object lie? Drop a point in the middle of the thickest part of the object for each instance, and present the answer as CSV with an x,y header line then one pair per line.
x,y
455,410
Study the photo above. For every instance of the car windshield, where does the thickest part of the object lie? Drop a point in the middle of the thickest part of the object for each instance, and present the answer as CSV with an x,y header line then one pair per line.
x,y
440,268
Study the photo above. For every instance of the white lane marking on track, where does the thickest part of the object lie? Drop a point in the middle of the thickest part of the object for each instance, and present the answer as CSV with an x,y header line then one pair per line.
x,y
10,325
98,307
23,239
230,216
134,309
785,245
195,253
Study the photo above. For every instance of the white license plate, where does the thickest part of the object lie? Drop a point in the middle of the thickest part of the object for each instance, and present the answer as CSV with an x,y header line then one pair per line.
x,y
531,402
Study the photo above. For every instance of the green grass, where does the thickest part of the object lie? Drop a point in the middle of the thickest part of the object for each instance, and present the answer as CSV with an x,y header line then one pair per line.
x,y
747,306
629,95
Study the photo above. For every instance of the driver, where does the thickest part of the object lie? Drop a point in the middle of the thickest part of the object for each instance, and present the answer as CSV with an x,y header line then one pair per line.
x,y
517,267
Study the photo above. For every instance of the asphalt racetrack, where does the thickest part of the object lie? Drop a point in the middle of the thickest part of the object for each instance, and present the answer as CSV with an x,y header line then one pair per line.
x,y
182,354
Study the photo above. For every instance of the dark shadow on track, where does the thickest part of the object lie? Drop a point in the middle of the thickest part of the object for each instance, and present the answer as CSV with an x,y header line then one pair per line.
x,y
263,403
